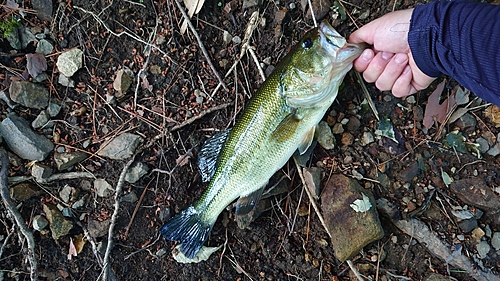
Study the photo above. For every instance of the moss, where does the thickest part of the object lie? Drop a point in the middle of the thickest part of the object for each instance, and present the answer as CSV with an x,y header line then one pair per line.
x,y
7,26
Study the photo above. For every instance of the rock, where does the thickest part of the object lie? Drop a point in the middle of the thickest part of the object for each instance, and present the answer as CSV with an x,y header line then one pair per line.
x,y
495,241
337,129
466,122
319,7
65,81
23,141
98,228
367,138
40,120
40,222
477,234
136,172
44,47
312,177
59,225
494,150
40,171
24,191
409,172
131,197
343,221
7,100
248,4
236,40
437,277
475,192
468,225
325,136
347,138
65,193
482,249
103,188
66,160
53,109
121,147
123,80
69,62
483,145
29,94
43,8
353,124
227,37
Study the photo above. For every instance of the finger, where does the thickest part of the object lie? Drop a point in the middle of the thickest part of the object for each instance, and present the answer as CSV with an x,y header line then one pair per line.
x,y
391,72
364,34
377,66
403,84
361,63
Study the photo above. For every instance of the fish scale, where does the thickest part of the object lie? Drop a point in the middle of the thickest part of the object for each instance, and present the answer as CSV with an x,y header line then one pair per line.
x,y
279,119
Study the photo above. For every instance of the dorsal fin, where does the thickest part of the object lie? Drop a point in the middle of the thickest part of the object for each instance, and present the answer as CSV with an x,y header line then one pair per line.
x,y
209,153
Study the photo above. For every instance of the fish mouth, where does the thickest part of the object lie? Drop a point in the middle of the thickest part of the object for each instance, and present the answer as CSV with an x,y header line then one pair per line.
x,y
332,41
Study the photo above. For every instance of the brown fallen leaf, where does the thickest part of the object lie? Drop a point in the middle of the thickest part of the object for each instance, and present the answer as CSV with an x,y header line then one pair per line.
x,y
183,159
434,110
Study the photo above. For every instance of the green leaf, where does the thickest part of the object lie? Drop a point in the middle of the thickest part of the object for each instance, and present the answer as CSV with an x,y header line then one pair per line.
x,y
385,129
361,205
202,255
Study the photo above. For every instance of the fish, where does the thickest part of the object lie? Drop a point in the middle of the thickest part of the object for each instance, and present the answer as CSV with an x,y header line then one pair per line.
x,y
280,119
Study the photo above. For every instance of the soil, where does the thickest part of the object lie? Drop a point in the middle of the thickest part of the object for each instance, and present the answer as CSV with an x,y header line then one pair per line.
x,y
178,73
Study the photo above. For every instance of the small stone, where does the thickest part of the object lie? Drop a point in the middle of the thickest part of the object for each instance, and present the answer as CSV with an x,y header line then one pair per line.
x,y
337,129
131,197
291,6
123,80
248,4
40,120
353,124
347,138
7,100
325,136
468,225
59,225
121,147
367,138
236,39
475,192
66,160
24,191
44,9
483,145
40,171
409,172
466,121
29,94
161,252
136,172
98,228
494,150
482,249
103,188
227,37
44,47
495,241
40,222
477,234
437,277
312,177
70,62
65,81
79,203
53,109
65,193
411,99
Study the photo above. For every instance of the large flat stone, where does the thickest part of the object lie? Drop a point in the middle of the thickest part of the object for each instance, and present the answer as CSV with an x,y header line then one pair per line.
x,y
350,230
29,94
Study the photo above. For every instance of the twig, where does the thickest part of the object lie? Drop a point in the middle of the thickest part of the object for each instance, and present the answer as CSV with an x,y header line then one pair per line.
x,y
11,207
203,113
355,270
312,13
136,208
200,43
55,177
367,95
118,192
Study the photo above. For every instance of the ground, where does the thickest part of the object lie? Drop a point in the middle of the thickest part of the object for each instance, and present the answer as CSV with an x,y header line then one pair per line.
x,y
180,84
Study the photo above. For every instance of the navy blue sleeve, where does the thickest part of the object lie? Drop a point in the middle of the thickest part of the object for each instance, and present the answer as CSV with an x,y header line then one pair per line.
x,y
460,39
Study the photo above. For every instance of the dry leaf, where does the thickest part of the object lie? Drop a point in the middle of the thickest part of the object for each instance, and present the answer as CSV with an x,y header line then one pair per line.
x,y
436,111
35,64
145,84
493,113
76,246
183,159
194,7
72,249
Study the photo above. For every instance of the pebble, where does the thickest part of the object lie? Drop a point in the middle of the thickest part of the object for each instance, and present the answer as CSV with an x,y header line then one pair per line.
x,y
495,241
23,141
29,94
312,177
483,145
409,172
468,225
367,138
40,171
98,228
59,225
70,62
136,172
121,147
65,81
466,121
67,160
411,99
475,192
337,129
40,120
227,37
131,197
236,39
248,4
7,100
482,249
40,222
65,193
44,9
347,138
494,150
123,80
24,191
44,47
53,109
325,136
477,234
103,188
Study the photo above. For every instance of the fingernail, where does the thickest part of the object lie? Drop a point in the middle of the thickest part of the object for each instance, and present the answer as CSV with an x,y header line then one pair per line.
x,y
406,70
387,55
367,55
400,58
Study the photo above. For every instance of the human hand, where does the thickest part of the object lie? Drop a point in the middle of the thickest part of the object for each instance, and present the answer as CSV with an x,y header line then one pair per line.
x,y
390,63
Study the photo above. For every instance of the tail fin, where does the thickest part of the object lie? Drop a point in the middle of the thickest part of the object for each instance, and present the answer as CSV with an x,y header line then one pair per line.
x,y
188,229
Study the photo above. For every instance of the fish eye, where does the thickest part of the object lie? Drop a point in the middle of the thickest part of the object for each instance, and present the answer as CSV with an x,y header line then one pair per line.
x,y
307,43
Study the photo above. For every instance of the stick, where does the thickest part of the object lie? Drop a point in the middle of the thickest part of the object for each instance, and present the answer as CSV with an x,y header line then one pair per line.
x,y
11,207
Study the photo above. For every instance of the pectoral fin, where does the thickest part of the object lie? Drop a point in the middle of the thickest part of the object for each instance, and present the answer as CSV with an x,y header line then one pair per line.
x,y
286,128
209,153
245,207
307,140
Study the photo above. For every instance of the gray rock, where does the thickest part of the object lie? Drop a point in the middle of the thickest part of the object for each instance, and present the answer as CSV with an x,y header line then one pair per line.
x,y
65,193
227,37
468,225
409,172
24,191
495,240
325,136
7,100
494,150
131,197
482,249
248,4
367,138
40,222
14,40
29,94
337,129
23,141
123,80
53,109
236,39
70,62
66,160
483,145
121,147
466,121
312,177
43,8
65,81
103,188
40,120
475,192
343,221
353,124
44,47
437,277
59,225
136,172
98,228
40,171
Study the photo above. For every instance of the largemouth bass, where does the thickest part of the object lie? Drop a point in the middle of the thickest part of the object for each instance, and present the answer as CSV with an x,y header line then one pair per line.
x,y
279,119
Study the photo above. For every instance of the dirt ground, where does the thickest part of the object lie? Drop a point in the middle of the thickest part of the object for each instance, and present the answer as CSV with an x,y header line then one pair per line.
x,y
180,85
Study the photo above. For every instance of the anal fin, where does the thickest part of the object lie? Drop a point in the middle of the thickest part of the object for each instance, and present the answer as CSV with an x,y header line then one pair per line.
x,y
245,207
